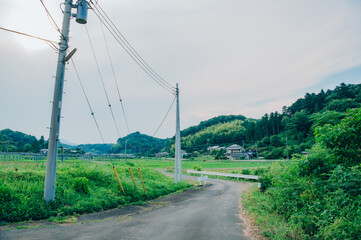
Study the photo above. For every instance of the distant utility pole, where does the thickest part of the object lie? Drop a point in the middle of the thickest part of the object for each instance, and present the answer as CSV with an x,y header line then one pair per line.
x,y
257,151
178,154
50,175
287,147
125,150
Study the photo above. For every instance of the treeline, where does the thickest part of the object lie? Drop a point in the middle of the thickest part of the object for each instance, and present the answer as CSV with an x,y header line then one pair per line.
x,y
98,148
13,141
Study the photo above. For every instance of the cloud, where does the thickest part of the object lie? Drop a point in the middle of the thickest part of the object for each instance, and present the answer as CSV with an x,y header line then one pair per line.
x,y
244,57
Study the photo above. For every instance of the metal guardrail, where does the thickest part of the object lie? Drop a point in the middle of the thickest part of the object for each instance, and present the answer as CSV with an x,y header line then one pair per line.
x,y
224,174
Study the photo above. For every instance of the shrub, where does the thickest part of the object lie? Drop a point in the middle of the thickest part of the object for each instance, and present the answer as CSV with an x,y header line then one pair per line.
x,y
343,139
246,171
81,185
197,167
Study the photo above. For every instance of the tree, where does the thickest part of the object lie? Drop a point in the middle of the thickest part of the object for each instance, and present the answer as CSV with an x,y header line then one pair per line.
x,y
343,139
275,141
220,154
42,143
341,105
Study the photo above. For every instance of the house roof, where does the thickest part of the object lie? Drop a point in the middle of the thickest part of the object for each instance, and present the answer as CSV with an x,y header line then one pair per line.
x,y
234,146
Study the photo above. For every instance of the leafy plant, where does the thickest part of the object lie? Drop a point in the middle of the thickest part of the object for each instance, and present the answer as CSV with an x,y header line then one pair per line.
x,y
197,167
81,185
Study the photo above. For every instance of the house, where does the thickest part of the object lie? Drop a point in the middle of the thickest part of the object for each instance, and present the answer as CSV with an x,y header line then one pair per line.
x,y
184,153
209,149
44,151
234,152
218,148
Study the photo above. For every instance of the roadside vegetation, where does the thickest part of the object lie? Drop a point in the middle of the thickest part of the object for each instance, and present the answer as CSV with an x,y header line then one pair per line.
x,y
81,187
316,196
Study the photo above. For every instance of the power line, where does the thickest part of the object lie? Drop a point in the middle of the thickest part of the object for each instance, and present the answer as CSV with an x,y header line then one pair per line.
x,y
52,43
87,100
129,49
102,80
51,18
136,61
115,79
165,116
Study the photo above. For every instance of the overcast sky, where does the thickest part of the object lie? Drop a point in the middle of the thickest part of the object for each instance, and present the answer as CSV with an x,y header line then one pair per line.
x,y
229,57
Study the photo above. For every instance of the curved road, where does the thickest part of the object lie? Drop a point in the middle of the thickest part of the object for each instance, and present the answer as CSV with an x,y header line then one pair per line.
x,y
210,212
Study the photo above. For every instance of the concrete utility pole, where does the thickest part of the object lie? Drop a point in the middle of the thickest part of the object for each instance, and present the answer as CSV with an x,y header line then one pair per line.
x,y
257,151
178,154
50,175
287,147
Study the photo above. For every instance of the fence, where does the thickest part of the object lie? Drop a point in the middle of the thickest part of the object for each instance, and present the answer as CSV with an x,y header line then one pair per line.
x,y
16,156
238,176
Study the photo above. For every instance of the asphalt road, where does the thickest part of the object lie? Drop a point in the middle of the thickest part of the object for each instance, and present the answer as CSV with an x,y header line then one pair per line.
x,y
210,212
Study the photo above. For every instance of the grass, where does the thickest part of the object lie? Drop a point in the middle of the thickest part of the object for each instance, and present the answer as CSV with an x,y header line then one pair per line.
x,y
81,187
270,224
205,162
202,162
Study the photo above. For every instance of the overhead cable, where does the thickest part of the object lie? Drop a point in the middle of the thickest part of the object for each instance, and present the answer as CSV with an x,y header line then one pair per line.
x,y
115,79
102,80
129,49
52,43
51,17
87,100
165,116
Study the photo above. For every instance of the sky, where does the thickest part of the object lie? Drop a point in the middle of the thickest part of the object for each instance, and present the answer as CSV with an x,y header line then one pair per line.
x,y
228,57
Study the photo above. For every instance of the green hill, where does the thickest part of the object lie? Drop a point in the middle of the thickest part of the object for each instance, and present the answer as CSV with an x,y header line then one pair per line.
x,y
13,141
138,143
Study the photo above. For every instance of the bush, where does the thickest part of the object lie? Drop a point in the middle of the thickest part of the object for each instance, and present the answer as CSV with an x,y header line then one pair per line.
x,y
197,167
81,185
246,171
276,153
343,139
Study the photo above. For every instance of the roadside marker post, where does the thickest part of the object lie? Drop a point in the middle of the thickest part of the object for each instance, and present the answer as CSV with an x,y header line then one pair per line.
x,y
131,174
116,174
141,178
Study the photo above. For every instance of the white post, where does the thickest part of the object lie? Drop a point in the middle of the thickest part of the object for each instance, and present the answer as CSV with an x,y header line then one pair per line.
x,y
287,147
50,175
178,153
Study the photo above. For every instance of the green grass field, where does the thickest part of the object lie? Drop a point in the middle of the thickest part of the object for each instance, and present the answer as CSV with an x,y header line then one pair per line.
x,y
207,164
84,186
81,187
155,163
